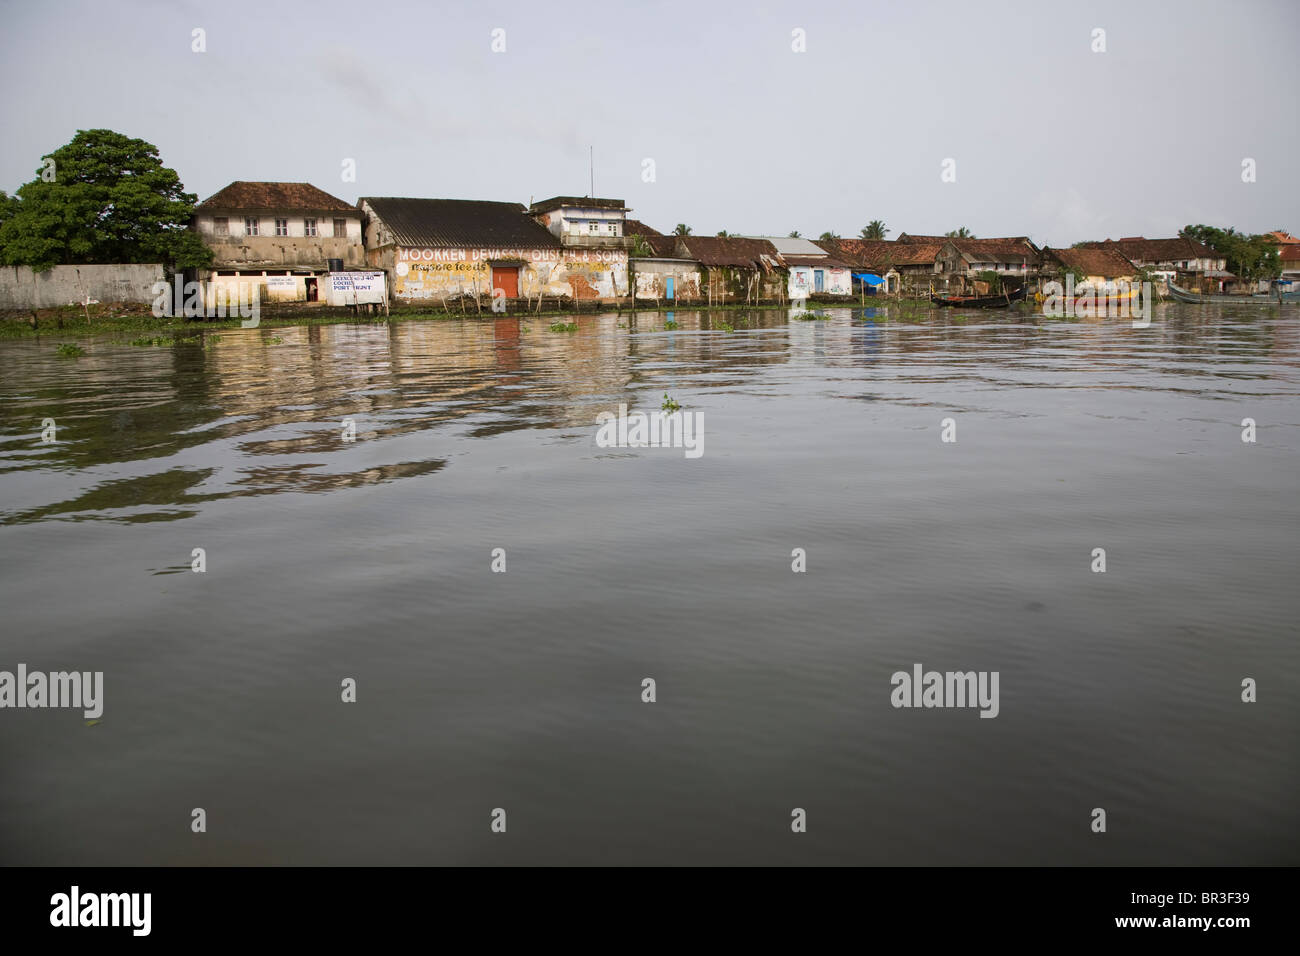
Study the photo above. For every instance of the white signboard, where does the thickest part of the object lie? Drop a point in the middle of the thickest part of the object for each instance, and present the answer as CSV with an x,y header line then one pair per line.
x,y
281,283
355,288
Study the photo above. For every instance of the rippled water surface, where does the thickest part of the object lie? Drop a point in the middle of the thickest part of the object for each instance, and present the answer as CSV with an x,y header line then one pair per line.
x,y
476,690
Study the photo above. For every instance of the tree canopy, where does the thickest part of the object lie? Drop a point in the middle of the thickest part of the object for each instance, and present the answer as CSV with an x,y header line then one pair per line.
x,y
1248,257
682,230
961,232
103,197
875,230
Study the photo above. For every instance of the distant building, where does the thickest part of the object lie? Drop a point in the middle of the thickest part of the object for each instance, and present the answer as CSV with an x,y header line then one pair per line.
x,y
287,233
442,249
812,270
735,269
583,223
959,261
905,265
663,275
1290,256
1173,255
1098,269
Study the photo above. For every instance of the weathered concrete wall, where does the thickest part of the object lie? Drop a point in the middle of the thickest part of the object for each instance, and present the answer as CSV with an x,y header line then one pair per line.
x,y
444,273
652,276
271,252
21,288
836,281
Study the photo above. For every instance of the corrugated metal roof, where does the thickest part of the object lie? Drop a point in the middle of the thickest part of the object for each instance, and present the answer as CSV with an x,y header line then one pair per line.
x,y
816,262
458,222
788,246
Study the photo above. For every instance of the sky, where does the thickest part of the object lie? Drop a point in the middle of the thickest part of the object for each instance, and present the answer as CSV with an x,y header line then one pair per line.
x,y
1048,137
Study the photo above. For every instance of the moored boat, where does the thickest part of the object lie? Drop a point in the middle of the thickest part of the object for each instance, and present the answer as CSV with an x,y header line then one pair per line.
x,y
1000,301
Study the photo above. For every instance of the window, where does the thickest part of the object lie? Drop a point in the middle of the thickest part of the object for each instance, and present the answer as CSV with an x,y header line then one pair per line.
x,y
221,225
250,226
591,227
282,227
340,227
309,227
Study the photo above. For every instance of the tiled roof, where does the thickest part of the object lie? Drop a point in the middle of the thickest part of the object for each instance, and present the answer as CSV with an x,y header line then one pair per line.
x,y
665,247
585,202
459,222
1009,249
1282,237
635,227
1107,263
1290,253
904,237
1156,250
241,196
882,253
731,251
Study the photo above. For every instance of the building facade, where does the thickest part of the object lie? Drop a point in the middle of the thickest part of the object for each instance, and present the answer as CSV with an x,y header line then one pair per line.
x,y
280,237
448,249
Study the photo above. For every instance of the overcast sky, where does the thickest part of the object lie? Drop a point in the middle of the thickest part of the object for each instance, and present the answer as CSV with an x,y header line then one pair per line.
x,y
1049,138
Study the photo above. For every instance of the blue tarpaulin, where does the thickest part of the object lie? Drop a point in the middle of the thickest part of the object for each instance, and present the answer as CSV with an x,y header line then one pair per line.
x,y
868,278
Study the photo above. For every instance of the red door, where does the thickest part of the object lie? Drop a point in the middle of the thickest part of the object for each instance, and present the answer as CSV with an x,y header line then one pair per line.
x,y
506,278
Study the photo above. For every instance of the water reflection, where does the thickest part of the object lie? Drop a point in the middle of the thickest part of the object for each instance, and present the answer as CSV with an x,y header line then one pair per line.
x,y
150,434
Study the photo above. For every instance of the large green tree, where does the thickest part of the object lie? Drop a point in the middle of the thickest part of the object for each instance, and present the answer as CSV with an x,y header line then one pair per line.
x,y
103,197
1248,257
874,230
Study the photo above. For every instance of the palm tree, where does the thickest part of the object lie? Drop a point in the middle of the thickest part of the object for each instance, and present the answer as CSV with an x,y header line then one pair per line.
x,y
828,235
961,232
875,229
682,230
794,234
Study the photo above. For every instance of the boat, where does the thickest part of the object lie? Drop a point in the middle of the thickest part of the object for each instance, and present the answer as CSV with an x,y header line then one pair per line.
x,y
1183,295
1000,301
1100,299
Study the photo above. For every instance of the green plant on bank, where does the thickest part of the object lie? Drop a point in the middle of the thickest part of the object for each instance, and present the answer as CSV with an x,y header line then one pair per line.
x,y
564,326
153,340
725,327
810,316
210,341
68,350
669,404
670,325
993,279
275,340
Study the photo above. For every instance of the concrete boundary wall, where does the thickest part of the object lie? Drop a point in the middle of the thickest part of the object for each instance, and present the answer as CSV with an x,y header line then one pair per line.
x,y
21,288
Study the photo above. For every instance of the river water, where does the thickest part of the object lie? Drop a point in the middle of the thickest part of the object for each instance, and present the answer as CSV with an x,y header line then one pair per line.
x,y
371,559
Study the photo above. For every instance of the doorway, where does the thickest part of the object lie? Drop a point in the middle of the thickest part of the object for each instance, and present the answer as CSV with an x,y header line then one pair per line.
x,y
819,280
311,288
506,278
668,282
